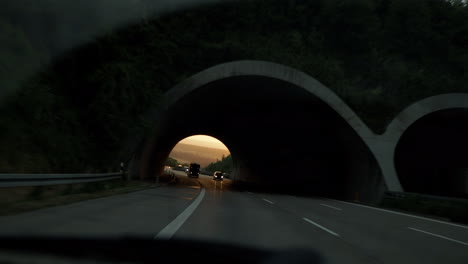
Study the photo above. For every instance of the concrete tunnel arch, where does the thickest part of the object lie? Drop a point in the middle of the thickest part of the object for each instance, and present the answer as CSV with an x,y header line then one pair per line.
x,y
257,88
430,145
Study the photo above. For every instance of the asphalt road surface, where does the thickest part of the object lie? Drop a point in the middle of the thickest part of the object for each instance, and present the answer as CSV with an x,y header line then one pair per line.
x,y
212,210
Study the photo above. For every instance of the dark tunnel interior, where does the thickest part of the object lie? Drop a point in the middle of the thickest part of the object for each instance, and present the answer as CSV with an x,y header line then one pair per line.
x,y
280,137
431,156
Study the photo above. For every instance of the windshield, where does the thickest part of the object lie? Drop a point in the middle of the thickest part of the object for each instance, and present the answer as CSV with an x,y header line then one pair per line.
x,y
334,126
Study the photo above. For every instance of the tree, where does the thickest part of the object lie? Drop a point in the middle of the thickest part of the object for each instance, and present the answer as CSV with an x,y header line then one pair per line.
x,y
224,165
171,162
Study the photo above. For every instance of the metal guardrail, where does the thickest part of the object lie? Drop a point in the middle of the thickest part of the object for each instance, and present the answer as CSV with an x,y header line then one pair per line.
x,y
405,195
18,180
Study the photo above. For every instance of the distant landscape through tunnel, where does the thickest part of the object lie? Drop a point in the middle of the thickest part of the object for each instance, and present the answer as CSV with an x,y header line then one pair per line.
x,y
201,149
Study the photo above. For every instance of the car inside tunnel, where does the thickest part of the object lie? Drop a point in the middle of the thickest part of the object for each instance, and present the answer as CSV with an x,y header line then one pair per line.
x,y
282,138
431,155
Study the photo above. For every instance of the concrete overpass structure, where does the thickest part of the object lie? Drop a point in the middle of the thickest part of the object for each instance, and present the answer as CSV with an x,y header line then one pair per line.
x,y
285,128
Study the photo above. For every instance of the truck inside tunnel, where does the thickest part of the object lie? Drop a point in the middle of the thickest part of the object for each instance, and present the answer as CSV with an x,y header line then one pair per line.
x,y
432,154
281,137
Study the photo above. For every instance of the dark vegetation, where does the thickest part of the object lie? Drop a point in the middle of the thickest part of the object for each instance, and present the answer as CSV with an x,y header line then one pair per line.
x,y
76,114
225,165
171,162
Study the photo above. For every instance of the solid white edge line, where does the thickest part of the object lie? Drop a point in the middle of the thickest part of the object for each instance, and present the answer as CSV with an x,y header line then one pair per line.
x,y
168,231
321,227
398,213
268,201
336,208
444,237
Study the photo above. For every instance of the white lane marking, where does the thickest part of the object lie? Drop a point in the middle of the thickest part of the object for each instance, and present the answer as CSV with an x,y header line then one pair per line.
x,y
444,237
292,196
398,213
249,192
168,231
268,201
321,227
336,208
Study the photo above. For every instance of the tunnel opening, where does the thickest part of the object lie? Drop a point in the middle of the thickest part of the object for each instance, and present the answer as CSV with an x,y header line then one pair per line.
x,y
281,137
431,155
207,151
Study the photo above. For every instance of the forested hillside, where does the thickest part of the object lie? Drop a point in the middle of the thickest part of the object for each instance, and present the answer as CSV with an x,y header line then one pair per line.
x,y
77,111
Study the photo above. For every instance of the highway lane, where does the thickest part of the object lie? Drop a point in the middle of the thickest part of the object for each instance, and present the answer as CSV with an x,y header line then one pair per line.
x,y
245,219
342,232
387,236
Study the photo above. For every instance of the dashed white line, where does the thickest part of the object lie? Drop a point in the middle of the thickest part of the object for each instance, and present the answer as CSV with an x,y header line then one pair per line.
x,y
268,201
444,237
172,227
398,213
336,208
249,192
321,227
